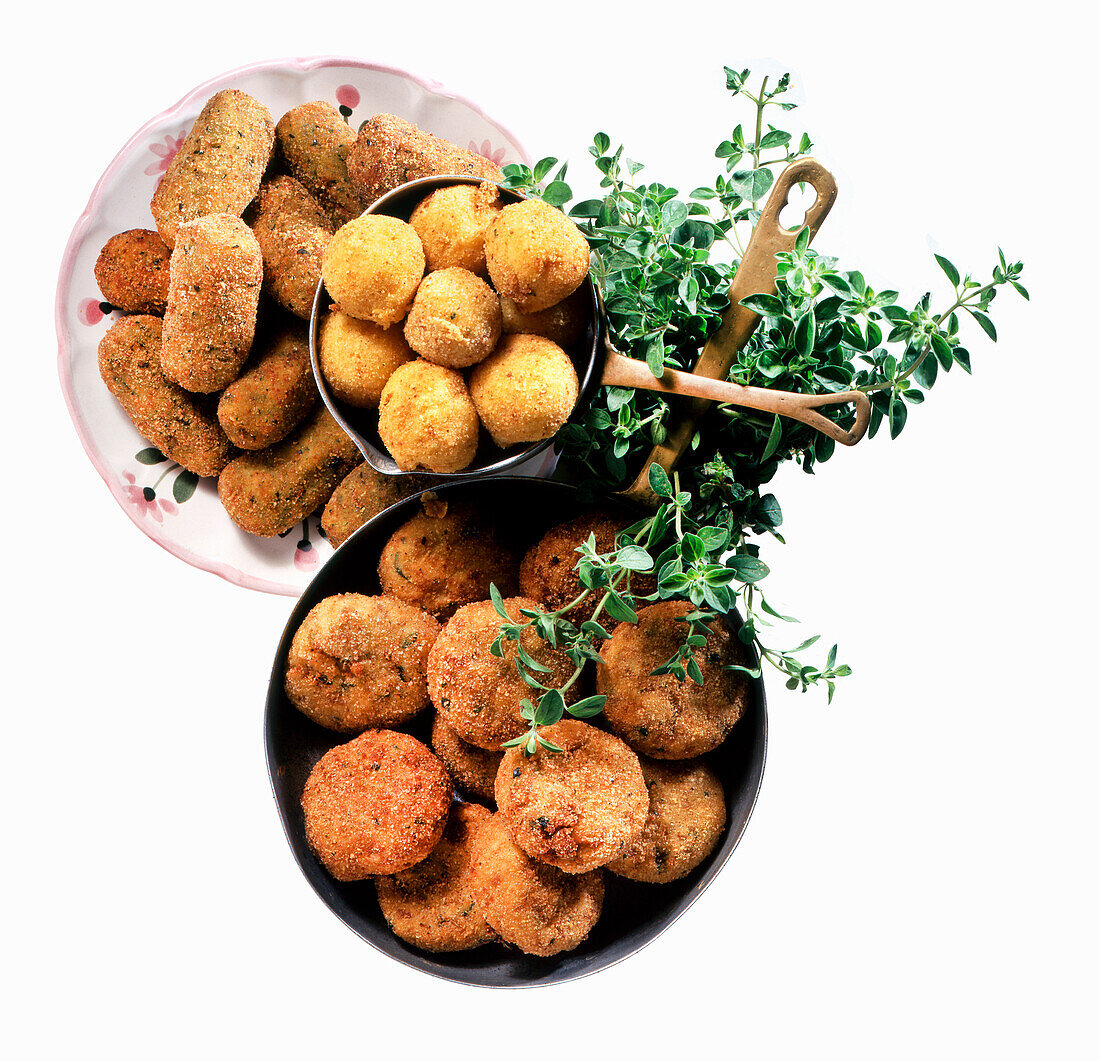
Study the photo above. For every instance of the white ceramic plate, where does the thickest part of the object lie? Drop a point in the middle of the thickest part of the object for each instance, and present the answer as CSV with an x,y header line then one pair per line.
x,y
193,525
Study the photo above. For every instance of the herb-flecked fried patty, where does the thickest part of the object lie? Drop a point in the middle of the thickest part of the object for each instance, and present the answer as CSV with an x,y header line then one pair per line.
x,y
432,904
359,661
659,714
377,804
440,562
548,572
535,907
576,809
479,694
687,816
473,769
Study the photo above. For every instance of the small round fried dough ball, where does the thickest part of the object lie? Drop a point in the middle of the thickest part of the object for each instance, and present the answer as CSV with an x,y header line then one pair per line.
x,y
576,809
377,804
454,320
426,418
687,815
549,569
451,224
478,694
658,714
472,769
535,907
440,560
358,661
372,268
525,390
432,905
536,256
357,357
562,323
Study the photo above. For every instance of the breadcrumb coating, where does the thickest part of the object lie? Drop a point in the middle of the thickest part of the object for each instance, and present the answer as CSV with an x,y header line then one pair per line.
x,y
525,390
687,816
359,661
219,167
377,804
454,320
313,140
452,222
576,809
531,905
362,494
658,714
432,905
132,271
178,423
473,769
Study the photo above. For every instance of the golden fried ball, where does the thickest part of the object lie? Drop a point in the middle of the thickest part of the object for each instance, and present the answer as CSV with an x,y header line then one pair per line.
x,y
377,804
427,420
687,816
441,560
358,661
535,907
563,323
358,356
372,268
536,256
454,320
451,224
432,904
525,390
478,694
472,769
658,714
576,809
549,569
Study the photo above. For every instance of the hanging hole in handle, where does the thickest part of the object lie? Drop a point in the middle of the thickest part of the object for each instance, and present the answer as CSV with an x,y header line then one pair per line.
x,y
800,201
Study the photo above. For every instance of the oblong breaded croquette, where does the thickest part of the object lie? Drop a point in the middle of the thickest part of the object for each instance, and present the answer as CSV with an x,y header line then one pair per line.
x,y
548,572
357,357
372,268
531,905
273,394
313,140
427,420
563,323
219,167
213,294
390,151
472,769
357,662
132,271
432,905
687,815
175,421
377,804
576,809
535,255
525,390
659,714
451,224
361,495
454,320
441,561
293,231
478,694
269,490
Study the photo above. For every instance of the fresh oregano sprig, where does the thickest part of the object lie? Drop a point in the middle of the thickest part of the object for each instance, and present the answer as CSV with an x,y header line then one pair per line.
x,y
663,264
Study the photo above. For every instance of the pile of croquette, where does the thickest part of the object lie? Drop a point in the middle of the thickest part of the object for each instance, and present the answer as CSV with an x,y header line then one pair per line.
x,y
455,320
468,842
210,360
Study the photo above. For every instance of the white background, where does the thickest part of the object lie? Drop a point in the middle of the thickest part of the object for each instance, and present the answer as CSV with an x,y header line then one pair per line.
x,y
919,878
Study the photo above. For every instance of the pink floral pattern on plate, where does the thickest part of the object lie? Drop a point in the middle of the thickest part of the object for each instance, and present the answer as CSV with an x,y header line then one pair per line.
x,y
486,150
165,152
